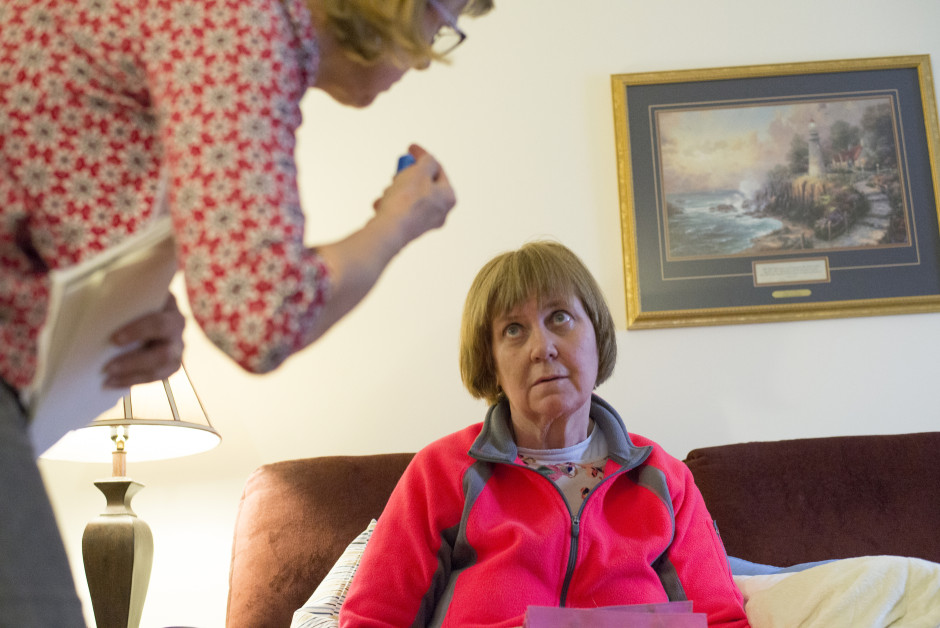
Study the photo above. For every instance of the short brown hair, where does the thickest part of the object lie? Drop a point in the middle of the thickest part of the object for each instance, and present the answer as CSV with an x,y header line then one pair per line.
x,y
370,29
541,269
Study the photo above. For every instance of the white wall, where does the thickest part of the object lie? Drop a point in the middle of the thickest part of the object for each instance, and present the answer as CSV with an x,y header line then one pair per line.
x,y
523,124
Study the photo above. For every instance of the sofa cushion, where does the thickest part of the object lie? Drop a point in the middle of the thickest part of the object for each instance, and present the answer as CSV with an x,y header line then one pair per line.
x,y
796,501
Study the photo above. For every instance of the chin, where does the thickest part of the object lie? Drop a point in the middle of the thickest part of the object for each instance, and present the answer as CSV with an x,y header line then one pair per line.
x,y
345,97
364,100
358,101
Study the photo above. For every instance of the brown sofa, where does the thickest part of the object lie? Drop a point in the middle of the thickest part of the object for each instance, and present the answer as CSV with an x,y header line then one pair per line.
x,y
777,503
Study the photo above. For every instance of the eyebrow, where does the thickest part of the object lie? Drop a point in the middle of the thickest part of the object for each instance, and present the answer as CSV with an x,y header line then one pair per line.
x,y
556,301
550,302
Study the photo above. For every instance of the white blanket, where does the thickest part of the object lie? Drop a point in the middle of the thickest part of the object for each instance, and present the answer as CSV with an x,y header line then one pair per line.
x,y
866,592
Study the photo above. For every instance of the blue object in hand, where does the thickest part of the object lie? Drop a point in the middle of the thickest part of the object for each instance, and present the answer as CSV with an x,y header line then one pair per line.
x,y
404,161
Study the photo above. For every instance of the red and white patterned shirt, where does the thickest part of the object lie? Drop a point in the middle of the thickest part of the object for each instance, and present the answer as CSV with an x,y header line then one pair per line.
x,y
96,97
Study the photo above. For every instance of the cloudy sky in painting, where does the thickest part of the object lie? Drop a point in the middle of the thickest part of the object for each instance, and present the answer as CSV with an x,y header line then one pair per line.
x,y
733,148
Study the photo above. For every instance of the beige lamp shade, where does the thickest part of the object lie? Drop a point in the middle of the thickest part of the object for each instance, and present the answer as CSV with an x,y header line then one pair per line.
x,y
159,420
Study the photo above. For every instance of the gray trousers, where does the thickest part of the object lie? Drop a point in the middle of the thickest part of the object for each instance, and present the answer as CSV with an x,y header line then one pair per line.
x,y
36,586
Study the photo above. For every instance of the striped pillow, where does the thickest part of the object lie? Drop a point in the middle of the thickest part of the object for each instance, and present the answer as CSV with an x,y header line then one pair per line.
x,y
322,609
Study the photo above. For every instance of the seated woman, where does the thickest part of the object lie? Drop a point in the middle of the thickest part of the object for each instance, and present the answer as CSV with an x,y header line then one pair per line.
x,y
549,501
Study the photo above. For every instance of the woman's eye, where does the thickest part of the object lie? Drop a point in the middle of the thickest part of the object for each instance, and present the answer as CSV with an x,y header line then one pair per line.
x,y
560,317
512,330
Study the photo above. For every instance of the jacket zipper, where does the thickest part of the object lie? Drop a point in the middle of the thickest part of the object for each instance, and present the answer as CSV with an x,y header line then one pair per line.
x,y
575,525
572,555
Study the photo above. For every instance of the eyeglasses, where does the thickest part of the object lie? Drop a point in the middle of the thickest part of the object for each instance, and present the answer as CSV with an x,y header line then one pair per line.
x,y
449,36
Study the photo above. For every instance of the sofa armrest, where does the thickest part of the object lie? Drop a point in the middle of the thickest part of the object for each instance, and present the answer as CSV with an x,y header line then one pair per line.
x,y
294,520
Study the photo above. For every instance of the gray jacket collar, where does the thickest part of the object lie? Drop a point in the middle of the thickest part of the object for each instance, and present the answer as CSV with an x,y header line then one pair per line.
x,y
495,442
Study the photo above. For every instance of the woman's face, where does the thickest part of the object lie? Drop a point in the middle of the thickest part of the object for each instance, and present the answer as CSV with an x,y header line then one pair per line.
x,y
356,84
546,363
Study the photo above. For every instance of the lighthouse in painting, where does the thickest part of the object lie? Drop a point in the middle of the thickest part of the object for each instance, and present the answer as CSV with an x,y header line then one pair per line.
x,y
816,166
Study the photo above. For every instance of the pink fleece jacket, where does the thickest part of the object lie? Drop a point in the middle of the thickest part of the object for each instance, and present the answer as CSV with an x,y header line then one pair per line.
x,y
471,537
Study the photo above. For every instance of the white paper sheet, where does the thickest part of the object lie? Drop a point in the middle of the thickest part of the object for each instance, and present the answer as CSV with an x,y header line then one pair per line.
x,y
88,303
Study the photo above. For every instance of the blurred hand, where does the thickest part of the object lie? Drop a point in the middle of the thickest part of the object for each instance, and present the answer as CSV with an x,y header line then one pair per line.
x,y
158,348
418,200
419,197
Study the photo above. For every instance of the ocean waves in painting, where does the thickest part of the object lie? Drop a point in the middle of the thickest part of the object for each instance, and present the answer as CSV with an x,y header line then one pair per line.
x,y
713,223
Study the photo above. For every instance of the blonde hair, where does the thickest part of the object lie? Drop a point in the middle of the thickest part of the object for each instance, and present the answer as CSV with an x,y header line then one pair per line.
x,y
541,269
369,30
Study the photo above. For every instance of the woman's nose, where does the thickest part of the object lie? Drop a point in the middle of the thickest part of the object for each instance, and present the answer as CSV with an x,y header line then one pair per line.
x,y
542,345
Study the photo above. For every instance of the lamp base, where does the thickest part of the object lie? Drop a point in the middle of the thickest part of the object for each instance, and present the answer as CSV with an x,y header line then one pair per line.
x,y
117,548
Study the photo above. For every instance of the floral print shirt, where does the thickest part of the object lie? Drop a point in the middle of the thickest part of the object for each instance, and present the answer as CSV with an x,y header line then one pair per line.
x,y
97,98
575,470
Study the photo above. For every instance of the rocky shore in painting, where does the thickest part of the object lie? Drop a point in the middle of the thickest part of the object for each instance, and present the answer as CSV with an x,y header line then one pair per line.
x,y
870,229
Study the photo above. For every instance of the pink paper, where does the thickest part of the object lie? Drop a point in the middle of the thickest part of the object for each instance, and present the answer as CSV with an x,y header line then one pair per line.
x,y
666,615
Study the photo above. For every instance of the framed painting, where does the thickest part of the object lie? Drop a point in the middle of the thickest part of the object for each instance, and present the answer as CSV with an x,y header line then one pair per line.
x,y
778,192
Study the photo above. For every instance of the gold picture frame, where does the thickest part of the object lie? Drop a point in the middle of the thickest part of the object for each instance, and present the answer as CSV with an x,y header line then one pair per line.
x,y
778,192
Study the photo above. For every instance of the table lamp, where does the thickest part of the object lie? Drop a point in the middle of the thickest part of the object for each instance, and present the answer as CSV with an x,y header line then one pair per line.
x,y
163,419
